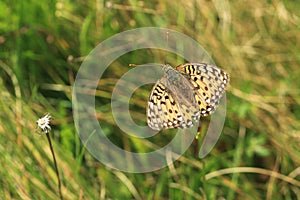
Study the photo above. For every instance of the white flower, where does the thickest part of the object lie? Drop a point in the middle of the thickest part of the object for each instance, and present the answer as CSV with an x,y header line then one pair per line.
x,y
44,123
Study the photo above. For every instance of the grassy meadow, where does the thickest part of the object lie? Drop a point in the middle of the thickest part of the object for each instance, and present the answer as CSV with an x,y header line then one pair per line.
x,y
42,45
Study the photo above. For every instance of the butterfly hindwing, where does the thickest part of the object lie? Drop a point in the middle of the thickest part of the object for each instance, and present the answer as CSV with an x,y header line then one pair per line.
x,y
162,111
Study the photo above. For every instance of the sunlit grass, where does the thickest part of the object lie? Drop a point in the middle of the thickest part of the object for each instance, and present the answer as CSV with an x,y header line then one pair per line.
x,y
42,47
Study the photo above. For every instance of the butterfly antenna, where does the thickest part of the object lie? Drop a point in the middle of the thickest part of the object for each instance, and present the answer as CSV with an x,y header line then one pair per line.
x,y
135,65
167,45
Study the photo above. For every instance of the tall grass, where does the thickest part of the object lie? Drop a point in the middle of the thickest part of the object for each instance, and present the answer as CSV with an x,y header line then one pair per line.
x,y
42,46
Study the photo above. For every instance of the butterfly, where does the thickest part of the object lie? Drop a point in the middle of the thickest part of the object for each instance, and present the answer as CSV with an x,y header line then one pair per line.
x,y
185,94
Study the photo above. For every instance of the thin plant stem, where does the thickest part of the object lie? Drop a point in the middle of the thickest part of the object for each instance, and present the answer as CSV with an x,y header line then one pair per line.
x,y
55,164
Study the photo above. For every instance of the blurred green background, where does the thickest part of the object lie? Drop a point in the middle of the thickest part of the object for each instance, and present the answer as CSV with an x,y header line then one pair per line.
x,y
43,44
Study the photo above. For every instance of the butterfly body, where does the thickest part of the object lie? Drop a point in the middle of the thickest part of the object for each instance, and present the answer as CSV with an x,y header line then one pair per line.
x,y
184,94
171,74
178,85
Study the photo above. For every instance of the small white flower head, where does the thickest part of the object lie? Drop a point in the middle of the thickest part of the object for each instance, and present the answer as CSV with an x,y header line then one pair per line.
x,y
44,123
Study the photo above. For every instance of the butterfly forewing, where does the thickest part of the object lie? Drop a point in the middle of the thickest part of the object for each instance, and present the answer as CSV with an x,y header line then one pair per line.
x,y
209,81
